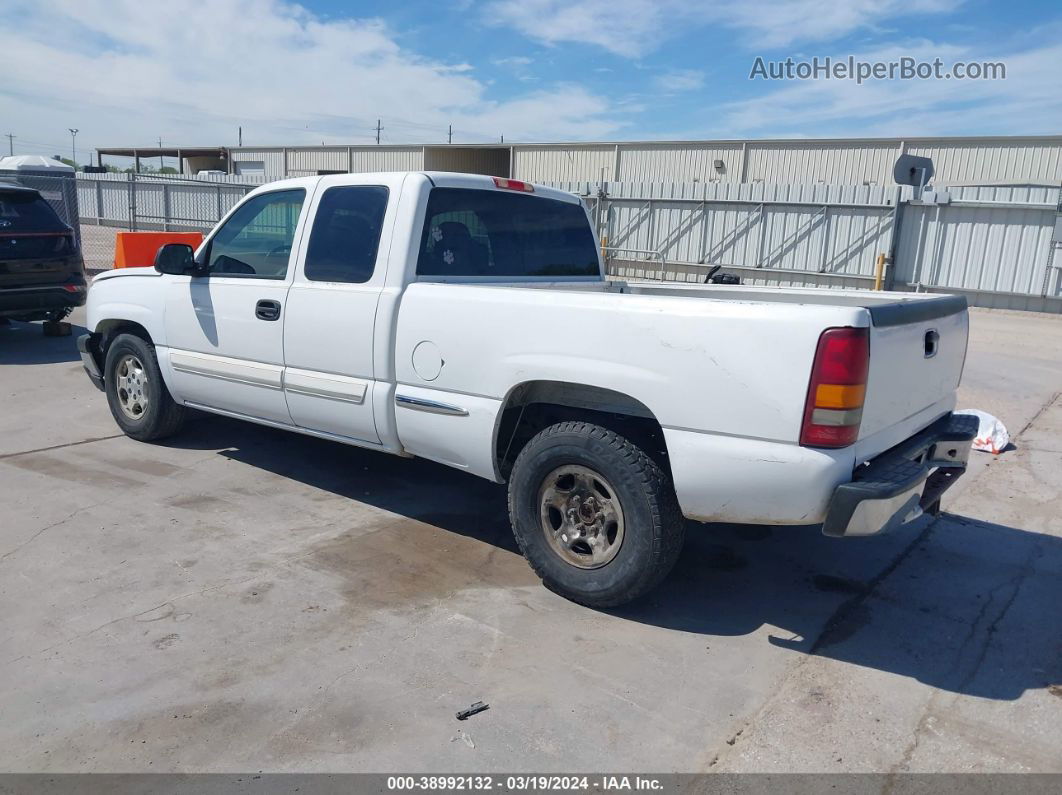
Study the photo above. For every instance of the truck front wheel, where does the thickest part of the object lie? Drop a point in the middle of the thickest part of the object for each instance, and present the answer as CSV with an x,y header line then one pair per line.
x,y
595,517
139,400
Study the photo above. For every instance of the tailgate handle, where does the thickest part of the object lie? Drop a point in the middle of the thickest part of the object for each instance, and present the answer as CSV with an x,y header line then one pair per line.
x,y
932,343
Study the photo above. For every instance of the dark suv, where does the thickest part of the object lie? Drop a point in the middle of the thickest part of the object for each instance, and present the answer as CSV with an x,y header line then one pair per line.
x,y
42,274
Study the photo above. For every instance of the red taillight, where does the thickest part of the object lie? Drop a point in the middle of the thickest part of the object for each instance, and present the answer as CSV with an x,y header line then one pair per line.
x,y
73,288
513,184
834,406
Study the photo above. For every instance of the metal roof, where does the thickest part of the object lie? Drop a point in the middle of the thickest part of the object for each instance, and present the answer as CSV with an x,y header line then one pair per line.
x,y
164,151
948,139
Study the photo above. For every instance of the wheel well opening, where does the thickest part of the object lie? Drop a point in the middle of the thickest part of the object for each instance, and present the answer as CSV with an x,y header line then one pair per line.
x,y
109,330
534,406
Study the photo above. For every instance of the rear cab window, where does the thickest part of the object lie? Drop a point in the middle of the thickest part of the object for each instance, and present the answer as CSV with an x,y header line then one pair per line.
x,y
484,233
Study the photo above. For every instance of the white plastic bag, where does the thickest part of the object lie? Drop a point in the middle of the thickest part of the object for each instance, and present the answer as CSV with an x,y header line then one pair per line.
x,y
992,436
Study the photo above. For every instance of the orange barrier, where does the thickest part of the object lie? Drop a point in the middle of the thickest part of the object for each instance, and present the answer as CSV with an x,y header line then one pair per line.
x,y
138,249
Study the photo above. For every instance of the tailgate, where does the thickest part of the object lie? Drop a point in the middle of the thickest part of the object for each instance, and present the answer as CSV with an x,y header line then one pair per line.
x,y
917,351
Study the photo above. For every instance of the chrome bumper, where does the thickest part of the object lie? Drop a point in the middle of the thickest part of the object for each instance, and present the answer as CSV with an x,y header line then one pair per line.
x,y
900,484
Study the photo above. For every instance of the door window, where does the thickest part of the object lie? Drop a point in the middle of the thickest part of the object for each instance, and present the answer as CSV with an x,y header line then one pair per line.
x,y
346,234
256,240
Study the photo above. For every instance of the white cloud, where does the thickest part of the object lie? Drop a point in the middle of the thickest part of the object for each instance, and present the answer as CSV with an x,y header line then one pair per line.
x,y
1027,102
116,71
779,23
633,28
515,61
680,80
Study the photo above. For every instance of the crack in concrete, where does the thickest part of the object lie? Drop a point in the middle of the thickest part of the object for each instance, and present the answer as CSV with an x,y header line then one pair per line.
x,y
104,625
33,537
848,606
60,446
1016,581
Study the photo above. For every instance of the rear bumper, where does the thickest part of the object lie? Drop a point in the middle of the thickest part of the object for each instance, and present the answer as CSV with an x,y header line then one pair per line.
x,y
897,486
88,347
17,301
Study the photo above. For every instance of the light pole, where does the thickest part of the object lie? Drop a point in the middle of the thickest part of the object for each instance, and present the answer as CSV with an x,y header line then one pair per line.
x,y
73,145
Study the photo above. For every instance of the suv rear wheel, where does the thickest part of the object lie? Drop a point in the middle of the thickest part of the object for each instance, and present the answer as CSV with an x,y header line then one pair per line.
x,y
139,400
595,516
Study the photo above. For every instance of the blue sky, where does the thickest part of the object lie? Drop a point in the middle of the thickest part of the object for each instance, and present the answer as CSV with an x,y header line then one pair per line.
x,y
130,71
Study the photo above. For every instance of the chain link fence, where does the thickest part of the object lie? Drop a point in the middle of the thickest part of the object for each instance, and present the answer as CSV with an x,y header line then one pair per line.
x,y
99,206
997,245
111,203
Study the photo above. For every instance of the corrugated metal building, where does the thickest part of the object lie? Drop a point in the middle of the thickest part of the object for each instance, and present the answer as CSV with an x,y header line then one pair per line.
x,y
1018,160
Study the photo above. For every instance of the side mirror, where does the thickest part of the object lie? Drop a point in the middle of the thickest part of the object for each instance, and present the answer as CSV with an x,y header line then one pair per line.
x,y
176,259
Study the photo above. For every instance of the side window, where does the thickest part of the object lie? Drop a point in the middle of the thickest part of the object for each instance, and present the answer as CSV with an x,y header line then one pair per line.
x,y
471,232
256,240
346,234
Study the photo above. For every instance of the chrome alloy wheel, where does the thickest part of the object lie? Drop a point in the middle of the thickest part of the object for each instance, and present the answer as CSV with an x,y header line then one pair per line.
x,y
581,516
131,384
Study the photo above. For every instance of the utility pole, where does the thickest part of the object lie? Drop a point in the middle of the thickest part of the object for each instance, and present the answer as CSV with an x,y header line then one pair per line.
x,y
161,164
503,139
10,144
450,134
73,145
240,135
378,128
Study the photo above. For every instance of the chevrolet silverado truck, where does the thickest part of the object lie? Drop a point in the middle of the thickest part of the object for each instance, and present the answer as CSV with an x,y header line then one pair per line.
x,y
469,320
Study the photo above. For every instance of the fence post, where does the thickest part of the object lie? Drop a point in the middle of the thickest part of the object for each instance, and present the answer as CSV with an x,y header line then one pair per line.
x,y
219,204
132,201
165,207
894,237
99,202
760,240
824,254
879,271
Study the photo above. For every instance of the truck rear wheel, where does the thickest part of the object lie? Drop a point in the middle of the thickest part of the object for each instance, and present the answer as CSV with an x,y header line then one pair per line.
x,y
595,517
139,400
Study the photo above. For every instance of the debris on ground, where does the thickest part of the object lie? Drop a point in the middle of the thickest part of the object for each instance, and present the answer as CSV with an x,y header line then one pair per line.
x,y
992,436
479,706
467,738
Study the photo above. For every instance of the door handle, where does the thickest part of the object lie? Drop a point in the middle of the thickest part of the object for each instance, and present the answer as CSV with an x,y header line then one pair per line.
x,y
267,310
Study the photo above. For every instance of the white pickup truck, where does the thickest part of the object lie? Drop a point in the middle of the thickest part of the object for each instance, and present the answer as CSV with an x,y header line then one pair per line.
x,y
467,320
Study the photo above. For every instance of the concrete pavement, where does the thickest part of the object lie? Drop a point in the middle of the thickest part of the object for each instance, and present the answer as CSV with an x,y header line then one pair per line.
x,y
243,599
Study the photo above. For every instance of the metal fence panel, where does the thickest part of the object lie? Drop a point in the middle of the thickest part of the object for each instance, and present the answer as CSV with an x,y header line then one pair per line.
x,y
816,227
993,243
985,239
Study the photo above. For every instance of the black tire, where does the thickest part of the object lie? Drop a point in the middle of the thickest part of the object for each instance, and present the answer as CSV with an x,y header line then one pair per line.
x,y
653,524
161,416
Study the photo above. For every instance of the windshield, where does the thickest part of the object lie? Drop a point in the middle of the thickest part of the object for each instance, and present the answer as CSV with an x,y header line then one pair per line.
x,y
496,233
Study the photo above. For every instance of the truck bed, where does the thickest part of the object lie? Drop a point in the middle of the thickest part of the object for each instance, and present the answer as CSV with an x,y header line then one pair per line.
x,y
726,361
